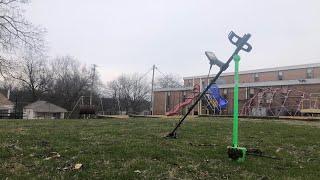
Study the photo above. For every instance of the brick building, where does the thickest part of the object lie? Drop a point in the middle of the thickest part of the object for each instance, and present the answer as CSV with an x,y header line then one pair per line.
x,y
303,79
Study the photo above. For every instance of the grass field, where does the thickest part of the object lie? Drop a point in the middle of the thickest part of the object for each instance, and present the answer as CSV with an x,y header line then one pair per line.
x,y
135,149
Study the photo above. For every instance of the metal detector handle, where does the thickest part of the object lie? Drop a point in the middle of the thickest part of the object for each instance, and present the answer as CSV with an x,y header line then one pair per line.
x,y
231,37
240,42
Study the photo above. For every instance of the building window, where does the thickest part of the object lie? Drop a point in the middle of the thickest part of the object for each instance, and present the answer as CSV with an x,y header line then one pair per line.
x,y
184,95
186,84
203,83
4,113
220,81
256,77
309,73
251,92
225,93
247,92
280,75
168,101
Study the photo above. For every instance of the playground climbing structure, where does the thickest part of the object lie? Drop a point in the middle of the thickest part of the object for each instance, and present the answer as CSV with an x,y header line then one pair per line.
x,y
311,105
276,102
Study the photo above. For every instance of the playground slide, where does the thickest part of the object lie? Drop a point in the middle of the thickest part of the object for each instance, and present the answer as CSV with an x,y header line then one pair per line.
x,y
214,92
178,107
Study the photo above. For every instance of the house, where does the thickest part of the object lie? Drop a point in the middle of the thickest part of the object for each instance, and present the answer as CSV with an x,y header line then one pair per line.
x,y
43,110
6,106
269,91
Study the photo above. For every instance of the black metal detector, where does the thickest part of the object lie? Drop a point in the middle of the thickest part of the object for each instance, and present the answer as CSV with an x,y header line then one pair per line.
x,y
242,44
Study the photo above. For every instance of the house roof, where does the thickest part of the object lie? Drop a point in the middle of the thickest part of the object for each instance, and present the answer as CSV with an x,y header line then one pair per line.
x,y
44,106
5,101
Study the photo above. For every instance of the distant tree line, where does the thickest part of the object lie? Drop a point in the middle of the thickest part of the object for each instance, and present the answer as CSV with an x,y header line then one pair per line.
x,y
62,81
168,81
30,75
132,93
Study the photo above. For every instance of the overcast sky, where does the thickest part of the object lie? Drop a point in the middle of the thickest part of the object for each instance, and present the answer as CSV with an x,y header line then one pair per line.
x,y
130,36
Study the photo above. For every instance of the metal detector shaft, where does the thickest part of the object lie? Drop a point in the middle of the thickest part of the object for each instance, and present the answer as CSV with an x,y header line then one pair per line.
x,y
242,41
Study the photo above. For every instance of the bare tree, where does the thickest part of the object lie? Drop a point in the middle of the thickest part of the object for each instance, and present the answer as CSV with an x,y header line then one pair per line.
x,y
71,81
131,93
61,81
16,32
33,73
168,81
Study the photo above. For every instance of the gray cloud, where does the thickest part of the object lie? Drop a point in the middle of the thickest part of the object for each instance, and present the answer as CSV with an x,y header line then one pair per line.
x,y
131,36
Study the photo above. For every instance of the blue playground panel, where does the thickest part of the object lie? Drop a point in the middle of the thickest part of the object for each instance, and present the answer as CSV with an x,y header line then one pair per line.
x,y
214,92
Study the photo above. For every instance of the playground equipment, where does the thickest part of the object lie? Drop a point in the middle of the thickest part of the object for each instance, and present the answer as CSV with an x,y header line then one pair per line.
x,y
276,102
214,100
85,109
242,44
189,99
311,106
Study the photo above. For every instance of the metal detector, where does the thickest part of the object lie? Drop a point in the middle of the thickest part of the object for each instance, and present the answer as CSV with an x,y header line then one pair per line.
x,y
242,44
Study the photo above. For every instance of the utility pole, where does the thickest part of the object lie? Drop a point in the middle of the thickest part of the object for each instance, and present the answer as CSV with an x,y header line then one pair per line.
x,y
152,85
101,104
92,82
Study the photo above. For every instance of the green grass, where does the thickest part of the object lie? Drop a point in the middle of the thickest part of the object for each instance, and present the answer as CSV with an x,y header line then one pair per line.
x,y
116,149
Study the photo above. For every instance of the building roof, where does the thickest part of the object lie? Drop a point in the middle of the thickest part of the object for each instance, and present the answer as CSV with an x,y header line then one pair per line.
x,y
273,83
5,101
255,84
283,68
173,89
44,106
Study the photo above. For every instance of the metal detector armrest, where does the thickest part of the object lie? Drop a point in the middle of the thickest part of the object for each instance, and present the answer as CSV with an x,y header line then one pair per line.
x,y
240,42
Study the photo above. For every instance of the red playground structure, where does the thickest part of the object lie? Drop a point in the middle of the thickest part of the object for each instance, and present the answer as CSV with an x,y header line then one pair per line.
x,y
189,99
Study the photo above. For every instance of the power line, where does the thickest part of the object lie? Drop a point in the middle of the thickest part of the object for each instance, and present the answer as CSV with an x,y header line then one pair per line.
x,y
165,76
145,74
